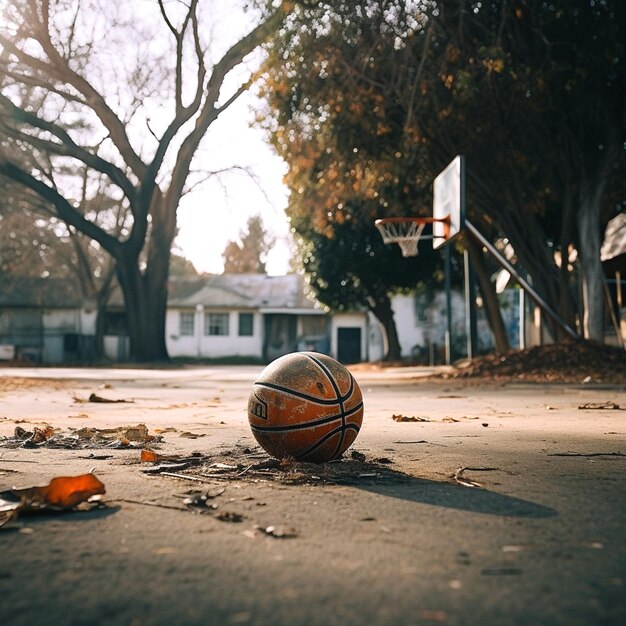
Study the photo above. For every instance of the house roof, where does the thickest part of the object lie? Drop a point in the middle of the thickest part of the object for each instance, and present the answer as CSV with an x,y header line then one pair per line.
x,y
254,291
39,292
226,291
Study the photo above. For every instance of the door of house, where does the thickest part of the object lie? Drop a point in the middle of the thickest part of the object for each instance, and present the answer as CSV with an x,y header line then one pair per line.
x,y
349,345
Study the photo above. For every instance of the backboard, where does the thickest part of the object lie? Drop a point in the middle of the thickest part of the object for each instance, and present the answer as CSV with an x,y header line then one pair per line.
x,y
449,201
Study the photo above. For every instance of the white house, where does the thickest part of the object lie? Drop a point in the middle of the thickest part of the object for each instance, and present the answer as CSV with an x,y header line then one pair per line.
x,y
244,317
255,316
45,321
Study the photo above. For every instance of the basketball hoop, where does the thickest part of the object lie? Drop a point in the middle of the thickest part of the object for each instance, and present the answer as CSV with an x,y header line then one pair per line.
x,y
407,231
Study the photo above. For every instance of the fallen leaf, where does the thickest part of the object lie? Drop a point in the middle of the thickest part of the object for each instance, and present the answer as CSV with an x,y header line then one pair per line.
x,y
189,435
35,437
405,418
357,456
9,507
96,398
601,406
149,456
227,516
62,493
137,433
116,436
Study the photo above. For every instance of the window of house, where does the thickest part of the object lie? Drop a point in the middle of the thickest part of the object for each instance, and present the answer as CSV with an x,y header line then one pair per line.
x,y
186,324
246,324
314,325
216,324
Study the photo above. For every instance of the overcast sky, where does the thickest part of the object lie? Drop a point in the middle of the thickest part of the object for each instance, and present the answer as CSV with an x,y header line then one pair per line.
x,y
216,212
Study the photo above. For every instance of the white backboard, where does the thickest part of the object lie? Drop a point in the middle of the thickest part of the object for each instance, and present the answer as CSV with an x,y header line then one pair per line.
x,y
449,201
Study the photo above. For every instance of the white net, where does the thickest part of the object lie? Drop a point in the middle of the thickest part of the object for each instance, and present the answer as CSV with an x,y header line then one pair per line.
x,y
405,233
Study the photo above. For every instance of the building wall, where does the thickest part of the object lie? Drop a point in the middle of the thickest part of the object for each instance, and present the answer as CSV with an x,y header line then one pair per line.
x,y
199,345
349,321
422,324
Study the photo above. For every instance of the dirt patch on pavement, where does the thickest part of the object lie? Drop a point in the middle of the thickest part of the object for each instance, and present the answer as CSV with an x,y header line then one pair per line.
x,y
13,383
566,362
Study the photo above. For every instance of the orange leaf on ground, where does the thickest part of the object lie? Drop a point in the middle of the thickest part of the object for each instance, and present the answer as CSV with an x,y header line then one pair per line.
x,y
64,491
149,456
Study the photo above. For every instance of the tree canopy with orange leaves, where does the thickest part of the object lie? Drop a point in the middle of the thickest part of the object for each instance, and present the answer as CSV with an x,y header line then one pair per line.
x,y
368,101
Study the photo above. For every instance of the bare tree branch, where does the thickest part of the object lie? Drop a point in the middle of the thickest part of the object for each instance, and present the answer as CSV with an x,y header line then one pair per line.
x,y
64,209
66,145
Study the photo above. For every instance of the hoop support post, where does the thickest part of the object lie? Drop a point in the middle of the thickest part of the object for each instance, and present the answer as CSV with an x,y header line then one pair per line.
x,y
504,262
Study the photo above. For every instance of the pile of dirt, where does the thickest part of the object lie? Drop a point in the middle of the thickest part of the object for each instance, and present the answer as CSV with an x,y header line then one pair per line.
x,y
566,362
14,383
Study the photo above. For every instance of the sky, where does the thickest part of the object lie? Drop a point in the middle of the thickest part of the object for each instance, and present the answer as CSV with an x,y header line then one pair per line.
x,y
216,213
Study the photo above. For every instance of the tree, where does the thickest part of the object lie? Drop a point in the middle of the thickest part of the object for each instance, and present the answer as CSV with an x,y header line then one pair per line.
x,y
353,268
428,81
336,120
34,243
249,254
70,99
535,80
182,267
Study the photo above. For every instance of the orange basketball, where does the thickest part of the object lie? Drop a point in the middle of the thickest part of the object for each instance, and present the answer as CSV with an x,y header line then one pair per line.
x,y
307,406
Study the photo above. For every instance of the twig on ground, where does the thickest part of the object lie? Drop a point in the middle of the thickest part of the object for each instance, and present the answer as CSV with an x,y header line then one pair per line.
x,y
466,482
146,503
587,454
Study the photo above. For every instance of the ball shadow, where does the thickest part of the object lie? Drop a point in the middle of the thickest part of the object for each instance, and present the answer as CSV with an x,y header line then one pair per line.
x,y
475,500
394,484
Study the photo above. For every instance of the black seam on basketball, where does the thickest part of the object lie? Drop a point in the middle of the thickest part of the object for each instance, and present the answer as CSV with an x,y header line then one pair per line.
x,y
344,414
327,437
333,381
329,374
297,394
307,425
335,386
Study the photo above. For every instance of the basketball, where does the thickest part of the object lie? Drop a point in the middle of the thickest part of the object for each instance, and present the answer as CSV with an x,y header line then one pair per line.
x,y
305,406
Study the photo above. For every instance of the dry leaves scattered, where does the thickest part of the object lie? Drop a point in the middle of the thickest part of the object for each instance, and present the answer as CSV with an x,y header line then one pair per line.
x,y
62,493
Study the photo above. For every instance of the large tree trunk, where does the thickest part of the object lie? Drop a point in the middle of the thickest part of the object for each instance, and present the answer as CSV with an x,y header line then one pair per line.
x,y
380,306
490,298
145,293
534,256
567,307
145,298
592,277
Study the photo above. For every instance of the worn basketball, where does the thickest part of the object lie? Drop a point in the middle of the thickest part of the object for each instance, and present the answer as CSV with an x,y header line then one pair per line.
x,y
306,406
